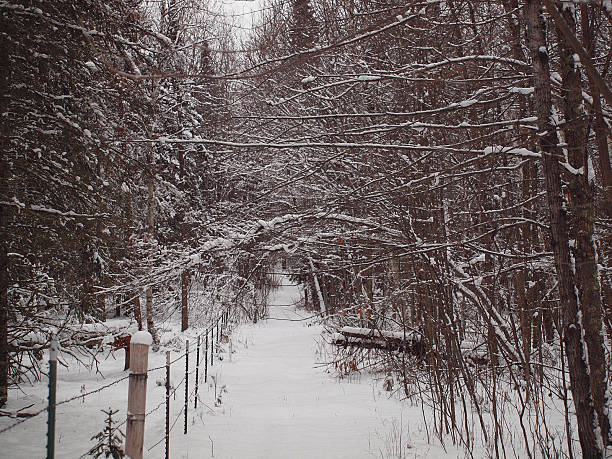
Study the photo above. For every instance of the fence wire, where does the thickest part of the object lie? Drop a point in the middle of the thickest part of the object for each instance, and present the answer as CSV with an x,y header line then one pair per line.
x,y
107,386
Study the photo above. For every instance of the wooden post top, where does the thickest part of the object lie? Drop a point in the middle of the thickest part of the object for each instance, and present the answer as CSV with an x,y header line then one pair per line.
x,y
139,351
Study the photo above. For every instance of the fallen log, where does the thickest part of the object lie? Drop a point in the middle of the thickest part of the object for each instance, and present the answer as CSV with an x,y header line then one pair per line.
x,y
369,338
409,342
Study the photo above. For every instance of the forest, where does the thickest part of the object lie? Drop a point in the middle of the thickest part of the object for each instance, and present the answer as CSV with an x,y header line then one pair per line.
x,y
434,172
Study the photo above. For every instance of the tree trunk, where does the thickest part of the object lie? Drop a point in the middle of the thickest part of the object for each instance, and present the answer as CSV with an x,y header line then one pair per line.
x,y
523,232
525,322
5,71
151,228
149,313
137,311
101,300
184,300
185,276
582,218
4,354
601,139
551,156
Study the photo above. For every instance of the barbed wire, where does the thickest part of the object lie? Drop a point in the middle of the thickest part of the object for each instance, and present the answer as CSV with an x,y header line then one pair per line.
x,y
178,415
173,392
21,421
186,402
100,389
177,387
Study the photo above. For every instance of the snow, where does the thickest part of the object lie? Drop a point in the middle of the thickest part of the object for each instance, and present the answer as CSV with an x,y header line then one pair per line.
x,y
368,78
142,337
267,396
568,6
368,332
571,169
478,259
591,172
494,149
523,91
280,403
91,66
53,350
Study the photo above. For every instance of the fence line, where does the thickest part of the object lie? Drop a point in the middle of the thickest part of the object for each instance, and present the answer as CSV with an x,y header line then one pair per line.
x,y
221,320
222,316
177,417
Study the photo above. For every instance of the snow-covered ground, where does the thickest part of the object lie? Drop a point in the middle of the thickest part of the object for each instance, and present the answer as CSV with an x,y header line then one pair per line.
x,y
276,401
280,404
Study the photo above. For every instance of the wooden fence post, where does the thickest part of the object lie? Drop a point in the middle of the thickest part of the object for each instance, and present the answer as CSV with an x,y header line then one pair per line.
x,y
137,393
212,345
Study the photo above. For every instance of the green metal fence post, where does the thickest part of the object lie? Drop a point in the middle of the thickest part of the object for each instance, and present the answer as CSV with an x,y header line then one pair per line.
x,y
51,407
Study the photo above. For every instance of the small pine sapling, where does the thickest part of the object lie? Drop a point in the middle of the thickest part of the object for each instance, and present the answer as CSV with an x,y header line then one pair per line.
x,y
109,440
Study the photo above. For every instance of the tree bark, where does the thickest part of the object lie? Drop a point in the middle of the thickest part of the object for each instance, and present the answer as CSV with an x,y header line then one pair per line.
x,y
4,280
185,276
4,354
575,45
601,140
551,156
599,125
151,229
184,300
581,193
523,231
149,313
137,310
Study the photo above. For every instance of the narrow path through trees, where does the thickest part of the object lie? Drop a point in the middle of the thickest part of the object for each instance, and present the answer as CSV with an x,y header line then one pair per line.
x,y
278,403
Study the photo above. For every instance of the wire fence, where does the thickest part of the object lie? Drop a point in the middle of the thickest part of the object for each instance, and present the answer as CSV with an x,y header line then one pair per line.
x,y
218,328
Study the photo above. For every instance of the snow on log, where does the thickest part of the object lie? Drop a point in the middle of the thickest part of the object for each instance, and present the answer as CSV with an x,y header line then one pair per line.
x,y
409,342
379,339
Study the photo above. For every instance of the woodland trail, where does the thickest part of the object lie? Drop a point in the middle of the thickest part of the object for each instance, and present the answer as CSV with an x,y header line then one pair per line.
x,y
276,401
279,403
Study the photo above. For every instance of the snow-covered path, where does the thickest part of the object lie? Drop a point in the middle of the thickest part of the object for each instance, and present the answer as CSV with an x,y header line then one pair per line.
x,y
280,404
277,401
